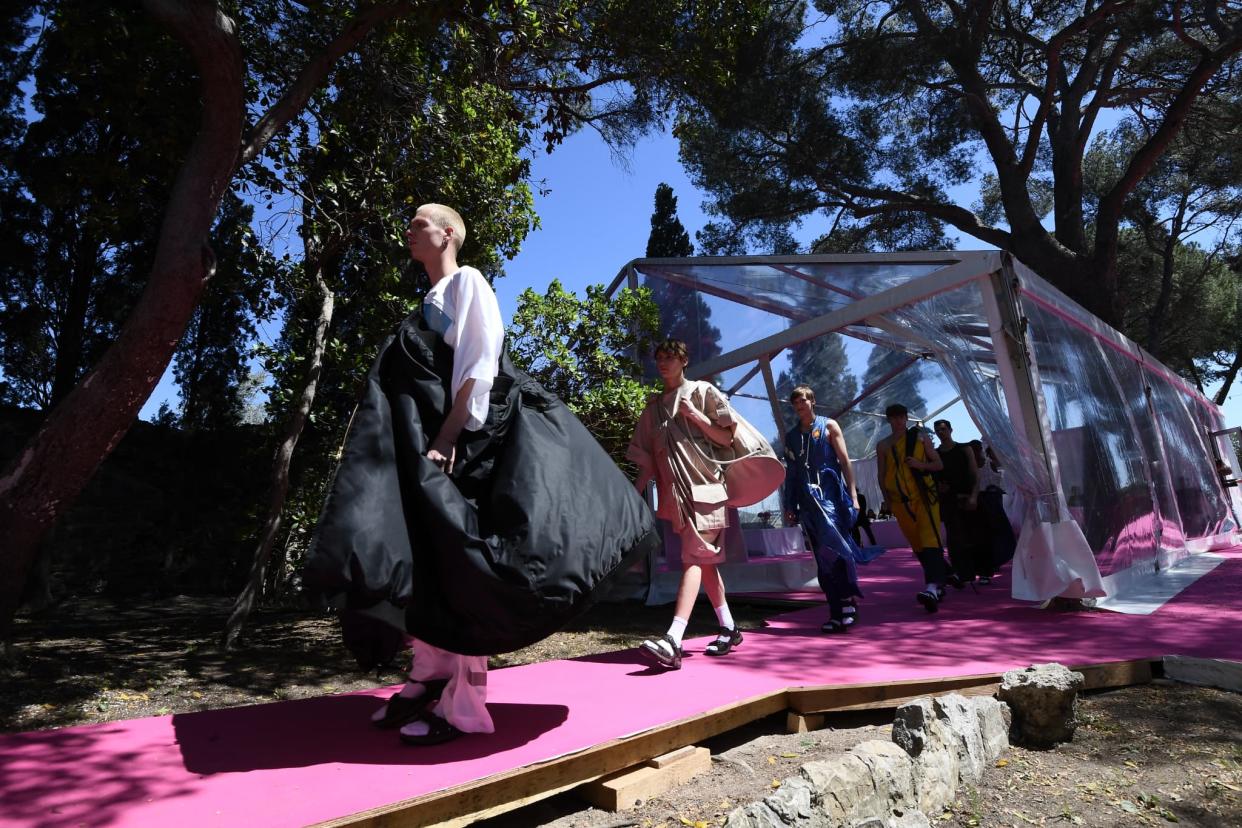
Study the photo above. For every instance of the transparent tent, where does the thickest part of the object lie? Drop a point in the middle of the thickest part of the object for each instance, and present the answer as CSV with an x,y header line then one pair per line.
x,y
1115,459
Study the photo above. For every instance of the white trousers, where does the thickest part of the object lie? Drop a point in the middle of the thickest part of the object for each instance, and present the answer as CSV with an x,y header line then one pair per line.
x,y
464,703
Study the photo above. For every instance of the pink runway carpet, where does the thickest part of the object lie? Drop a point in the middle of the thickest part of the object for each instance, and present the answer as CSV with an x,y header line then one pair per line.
x,y
299,762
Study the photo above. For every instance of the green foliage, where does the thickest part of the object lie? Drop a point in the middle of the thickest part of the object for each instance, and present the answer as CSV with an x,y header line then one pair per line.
x,y
83,186
210,365
668,238
1179,248
580,349
873,115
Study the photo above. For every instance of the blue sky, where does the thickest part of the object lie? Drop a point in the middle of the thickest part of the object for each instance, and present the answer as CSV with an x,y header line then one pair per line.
x,y
596,216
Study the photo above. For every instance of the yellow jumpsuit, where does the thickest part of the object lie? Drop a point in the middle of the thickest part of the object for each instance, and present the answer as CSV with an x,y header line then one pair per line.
x,y
912,496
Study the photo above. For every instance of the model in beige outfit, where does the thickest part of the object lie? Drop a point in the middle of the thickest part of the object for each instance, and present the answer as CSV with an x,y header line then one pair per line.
x,y
675,442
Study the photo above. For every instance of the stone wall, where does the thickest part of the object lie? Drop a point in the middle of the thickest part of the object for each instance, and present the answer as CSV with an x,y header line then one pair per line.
x,y
937,744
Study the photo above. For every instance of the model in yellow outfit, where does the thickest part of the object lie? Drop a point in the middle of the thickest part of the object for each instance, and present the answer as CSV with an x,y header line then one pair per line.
x,y
905,460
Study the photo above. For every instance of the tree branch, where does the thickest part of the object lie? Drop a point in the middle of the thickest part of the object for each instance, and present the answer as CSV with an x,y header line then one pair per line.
x,y
1110,208
316,70
1053,59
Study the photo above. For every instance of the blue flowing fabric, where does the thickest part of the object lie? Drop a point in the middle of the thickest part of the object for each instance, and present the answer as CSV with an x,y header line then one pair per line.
x,y
815,490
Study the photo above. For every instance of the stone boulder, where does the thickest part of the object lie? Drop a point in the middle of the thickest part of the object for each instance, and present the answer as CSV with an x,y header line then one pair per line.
x,y
1043,698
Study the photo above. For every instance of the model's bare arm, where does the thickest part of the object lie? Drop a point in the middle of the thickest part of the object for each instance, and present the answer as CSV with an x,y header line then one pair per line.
x,y
933,463
444,447
837,438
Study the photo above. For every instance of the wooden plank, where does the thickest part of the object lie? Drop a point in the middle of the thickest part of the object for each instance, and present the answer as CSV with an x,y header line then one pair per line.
x,y
803,723
881,695
1115,674
1206,672
669,758
628,788
520,786
823,699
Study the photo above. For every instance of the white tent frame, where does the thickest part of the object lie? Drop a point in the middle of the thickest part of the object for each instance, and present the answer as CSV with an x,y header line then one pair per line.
x,y
1053,558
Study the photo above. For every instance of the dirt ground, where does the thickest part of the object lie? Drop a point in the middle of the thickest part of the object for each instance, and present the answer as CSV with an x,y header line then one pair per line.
x,y
1148,755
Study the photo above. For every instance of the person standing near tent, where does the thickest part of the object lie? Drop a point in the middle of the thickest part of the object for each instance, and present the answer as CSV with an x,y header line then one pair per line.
x,y
905,460
958,482
674,443
471,511
820,494
999,531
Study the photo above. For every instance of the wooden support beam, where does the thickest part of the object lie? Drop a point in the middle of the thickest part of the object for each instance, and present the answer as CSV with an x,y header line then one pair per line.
x,y
893,694
803,723
633,786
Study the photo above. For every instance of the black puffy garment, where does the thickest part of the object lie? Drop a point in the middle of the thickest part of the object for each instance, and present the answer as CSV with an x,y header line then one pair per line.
x,y
533,521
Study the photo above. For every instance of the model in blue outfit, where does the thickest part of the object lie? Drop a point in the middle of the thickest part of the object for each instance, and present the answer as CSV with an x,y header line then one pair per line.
x,y
819,494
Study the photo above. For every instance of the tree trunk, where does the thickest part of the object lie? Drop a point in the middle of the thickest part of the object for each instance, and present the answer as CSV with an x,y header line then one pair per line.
x,y
51,470
280,467
1168,257
73,326
1222,393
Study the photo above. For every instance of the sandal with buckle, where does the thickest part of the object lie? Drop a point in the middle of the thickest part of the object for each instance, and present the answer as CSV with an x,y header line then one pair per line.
x,y
833,626
929,599
653,648
401,710
438,732
732,637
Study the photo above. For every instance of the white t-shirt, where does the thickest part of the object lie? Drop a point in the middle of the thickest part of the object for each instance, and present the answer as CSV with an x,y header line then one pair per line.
x,y
462,308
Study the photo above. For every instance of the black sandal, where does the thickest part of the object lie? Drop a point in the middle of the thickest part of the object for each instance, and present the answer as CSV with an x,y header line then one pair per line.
x,y
438,732
720,648
930,600
401,710
652,648
850,611
834,626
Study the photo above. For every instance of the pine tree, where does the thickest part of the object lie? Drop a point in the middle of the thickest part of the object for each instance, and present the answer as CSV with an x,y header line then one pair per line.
x,y
683,313
822,364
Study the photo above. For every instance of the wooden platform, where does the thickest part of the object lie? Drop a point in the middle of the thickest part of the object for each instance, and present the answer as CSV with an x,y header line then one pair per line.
x,y
560,724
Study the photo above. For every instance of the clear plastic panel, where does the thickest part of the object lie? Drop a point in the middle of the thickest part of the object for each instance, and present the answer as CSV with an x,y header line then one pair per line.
x,y
956,322
801,290
1191,466
1229,470
1099,454
1129,377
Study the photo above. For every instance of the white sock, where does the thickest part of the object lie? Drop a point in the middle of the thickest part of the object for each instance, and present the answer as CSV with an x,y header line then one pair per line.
x,y
932,588
678,629
724,616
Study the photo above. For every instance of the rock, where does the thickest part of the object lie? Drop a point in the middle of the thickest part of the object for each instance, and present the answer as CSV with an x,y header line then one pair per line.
x,y
995,719
794,802
911,819
911,726
920,733
754,815
1043,699
843,787
892,773
958,715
